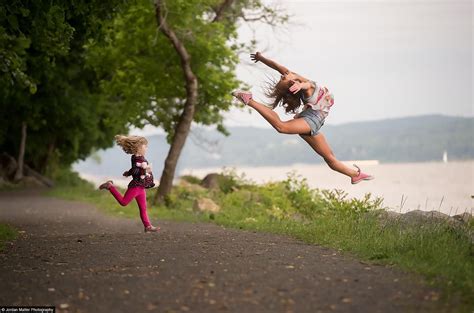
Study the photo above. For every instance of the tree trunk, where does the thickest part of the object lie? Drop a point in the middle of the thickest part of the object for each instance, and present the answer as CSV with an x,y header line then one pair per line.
x,y
21,154
186,118
47,158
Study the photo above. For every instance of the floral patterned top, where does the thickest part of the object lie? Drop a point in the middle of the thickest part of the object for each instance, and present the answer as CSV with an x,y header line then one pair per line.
x,y
140,177
321,100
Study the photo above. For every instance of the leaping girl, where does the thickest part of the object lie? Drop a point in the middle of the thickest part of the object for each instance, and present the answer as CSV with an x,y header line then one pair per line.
x,y
292,91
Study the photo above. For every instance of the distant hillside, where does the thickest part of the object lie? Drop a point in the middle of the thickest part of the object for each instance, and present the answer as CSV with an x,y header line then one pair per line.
x,y
412,139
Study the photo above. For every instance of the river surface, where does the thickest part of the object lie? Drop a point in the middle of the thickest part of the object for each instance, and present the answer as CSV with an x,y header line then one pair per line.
x,y
446,187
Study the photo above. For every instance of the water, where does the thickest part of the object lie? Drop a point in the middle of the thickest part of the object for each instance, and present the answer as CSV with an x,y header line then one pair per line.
x,y
445,187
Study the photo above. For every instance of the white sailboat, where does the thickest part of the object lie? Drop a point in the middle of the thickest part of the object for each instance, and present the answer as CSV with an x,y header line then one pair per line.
x,y
445,156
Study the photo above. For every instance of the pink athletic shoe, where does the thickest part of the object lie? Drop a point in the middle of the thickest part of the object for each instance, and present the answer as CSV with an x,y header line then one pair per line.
x,y
360,177
244,96
151,229
106,185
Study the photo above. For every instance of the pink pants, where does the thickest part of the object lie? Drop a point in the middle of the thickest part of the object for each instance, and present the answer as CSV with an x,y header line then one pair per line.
x,y
134,192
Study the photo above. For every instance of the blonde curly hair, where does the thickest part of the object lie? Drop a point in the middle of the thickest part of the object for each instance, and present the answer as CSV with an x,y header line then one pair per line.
x,y
130,144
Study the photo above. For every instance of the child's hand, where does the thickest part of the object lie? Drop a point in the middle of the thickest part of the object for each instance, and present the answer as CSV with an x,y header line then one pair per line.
x,y
295,87
255,56
126,174
149,168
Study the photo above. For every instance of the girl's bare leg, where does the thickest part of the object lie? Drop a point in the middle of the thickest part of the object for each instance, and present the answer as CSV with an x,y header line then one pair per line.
x,y
301,127
295,126
320,145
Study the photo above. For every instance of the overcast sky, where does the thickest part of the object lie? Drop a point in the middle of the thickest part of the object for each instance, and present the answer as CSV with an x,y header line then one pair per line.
x,y
380,58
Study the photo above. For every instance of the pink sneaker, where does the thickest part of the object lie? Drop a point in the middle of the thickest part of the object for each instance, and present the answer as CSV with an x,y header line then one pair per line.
x,y
244,96
151,229
360,177
106,185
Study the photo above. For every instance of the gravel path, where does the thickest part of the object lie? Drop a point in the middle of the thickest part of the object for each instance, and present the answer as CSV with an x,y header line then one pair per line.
x,y
74,257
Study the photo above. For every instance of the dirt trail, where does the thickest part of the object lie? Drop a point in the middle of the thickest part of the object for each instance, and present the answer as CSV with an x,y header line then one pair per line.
x,y
73,256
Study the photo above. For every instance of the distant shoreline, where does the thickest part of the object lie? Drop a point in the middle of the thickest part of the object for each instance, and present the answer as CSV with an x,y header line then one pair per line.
x,y
445,187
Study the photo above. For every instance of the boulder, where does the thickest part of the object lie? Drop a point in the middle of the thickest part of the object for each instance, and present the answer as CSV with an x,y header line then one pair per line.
x,y
8,166
191,187
464,218
211,181
388,215
385,217
206,205
418,216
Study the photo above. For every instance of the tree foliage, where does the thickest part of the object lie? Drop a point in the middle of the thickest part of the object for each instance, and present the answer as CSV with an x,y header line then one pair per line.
x,y
141,72
172,63
44,81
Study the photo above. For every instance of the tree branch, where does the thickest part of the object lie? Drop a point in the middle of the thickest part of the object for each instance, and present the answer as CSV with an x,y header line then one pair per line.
x,y
177,44
221,10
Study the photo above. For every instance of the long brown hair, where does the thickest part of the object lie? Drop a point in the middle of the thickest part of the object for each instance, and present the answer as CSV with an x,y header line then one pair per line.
x,y
280,93
130,144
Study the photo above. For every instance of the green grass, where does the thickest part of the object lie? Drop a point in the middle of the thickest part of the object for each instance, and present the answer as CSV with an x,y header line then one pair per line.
x,y
441,253
7,233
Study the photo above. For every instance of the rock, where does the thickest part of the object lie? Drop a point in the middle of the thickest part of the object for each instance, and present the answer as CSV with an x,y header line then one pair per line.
x,y
384,217
388,215
418,216
8,166
464,218
191,187
211,181
206,205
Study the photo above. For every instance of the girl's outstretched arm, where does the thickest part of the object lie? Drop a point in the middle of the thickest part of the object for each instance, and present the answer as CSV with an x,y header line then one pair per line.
x,y
270,63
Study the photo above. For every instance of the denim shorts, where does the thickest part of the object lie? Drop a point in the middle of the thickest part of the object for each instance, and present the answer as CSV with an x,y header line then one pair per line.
x,y
314,119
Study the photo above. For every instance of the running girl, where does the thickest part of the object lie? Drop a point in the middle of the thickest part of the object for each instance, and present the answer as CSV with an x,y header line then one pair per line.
x,y
292,91
142,177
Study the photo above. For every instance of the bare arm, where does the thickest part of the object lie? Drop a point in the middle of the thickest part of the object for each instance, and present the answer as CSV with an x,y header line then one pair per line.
x,y
270,63
306,87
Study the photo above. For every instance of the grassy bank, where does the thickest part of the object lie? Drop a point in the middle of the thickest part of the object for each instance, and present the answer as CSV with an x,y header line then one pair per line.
x,y
7,233
440,252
